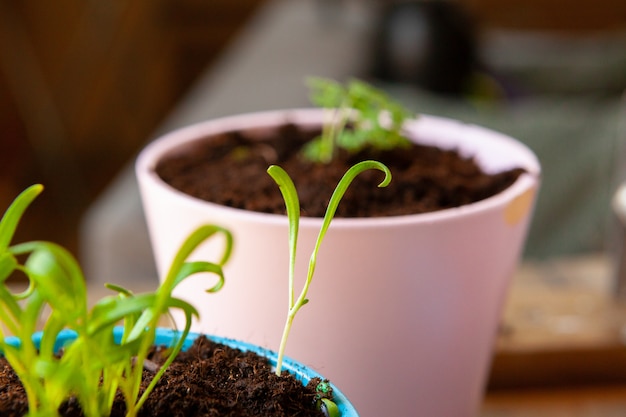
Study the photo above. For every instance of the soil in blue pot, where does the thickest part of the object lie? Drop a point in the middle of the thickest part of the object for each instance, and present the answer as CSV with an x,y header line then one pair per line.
x,y
208,379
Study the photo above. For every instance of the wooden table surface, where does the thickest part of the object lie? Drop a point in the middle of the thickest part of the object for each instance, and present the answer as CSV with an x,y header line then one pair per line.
x,y
561,349
601,401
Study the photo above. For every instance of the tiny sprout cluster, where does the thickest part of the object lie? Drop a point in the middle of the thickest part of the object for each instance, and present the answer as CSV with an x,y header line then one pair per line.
x,y
93,366
358,115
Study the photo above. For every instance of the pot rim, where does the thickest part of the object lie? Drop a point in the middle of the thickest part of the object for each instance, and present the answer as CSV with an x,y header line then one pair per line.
x,y
420,126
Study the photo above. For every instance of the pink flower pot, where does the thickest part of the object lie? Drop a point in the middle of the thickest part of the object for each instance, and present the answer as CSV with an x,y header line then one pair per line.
x,y
404,310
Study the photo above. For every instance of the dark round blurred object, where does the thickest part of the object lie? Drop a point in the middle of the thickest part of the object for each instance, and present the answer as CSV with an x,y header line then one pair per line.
x,y
430,44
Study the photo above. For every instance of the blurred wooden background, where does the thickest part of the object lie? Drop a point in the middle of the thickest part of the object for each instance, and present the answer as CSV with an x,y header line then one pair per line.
x,y
83,84
565,16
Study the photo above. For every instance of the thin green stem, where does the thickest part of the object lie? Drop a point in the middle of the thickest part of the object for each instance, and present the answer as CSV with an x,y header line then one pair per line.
x,y
283,342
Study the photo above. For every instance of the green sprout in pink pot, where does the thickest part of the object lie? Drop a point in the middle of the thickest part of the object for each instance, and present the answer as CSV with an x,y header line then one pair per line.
x,y
358,115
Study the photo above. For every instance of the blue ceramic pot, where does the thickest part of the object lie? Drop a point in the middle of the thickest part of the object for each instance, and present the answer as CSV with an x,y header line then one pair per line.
x,y
165,337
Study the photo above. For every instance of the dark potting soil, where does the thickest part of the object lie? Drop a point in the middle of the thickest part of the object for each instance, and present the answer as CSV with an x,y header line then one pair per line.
x,y
208,380
231,170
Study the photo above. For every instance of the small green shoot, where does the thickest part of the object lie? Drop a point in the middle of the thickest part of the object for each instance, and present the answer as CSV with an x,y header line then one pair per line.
x,y
94,366
357,116
292,204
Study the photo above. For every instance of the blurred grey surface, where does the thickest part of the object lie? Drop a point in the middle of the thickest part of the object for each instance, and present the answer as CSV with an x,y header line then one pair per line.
x,y
570,114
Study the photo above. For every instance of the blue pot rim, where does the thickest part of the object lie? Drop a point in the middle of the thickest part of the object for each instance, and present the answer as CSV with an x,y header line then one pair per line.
x,y
165,336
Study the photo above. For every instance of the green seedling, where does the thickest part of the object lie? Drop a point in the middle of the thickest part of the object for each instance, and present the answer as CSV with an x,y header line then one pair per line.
x,y
94,366
292,204
357,116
